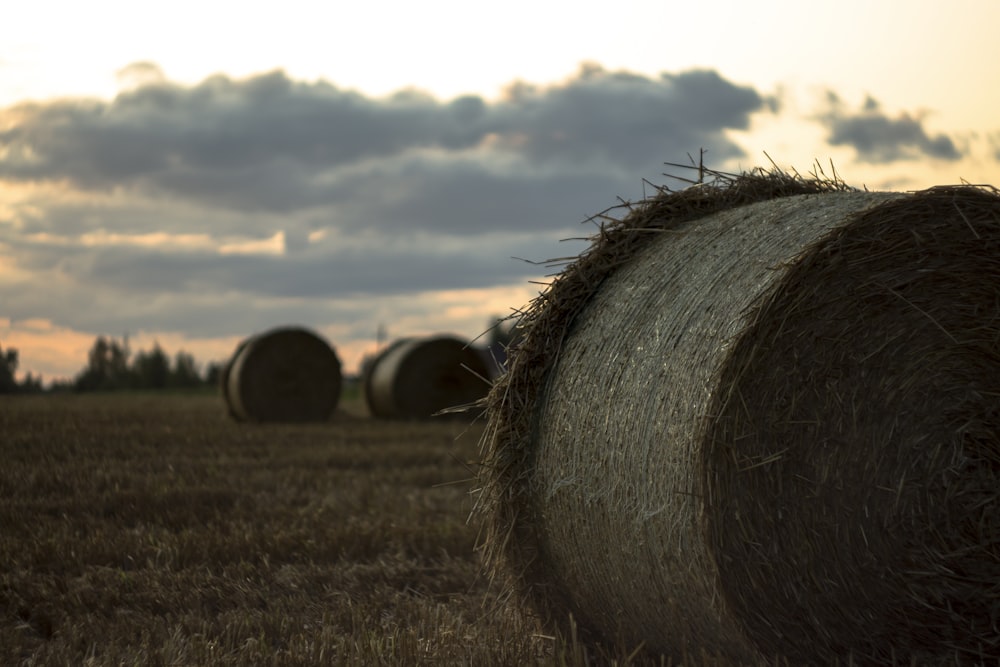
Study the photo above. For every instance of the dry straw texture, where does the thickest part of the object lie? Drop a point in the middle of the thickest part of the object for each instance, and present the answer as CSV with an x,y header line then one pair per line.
x,y
758,420
415,378
283,375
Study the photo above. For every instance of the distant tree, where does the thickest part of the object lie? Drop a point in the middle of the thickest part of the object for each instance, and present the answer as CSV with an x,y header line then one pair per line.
x,y
8,371
61,386
213,373
151,370
119,354
107,366
184,374
111,365
32,384
9,361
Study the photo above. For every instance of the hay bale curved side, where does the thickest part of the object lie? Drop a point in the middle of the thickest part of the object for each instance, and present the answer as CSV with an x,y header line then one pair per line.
x,y
284,375
415,378
616,483
378,404
224,379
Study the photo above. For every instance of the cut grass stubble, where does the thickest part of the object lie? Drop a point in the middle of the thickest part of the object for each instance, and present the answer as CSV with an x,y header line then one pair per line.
x,y
158,531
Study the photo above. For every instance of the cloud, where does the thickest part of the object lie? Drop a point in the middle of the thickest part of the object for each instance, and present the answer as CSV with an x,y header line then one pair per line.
x,y
217,208
139,74
624,118
878,138
222,139
993,145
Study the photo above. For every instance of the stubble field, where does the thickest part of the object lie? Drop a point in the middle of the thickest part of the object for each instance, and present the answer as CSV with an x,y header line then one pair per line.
x,y
155,530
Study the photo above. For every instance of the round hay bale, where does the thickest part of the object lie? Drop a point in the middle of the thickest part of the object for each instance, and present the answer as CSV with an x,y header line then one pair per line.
x,y
759,420
416,378
283,375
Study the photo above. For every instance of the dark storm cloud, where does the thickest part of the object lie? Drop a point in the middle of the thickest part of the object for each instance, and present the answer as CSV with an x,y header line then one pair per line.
x,y
879,138
624,118
161,129
273,142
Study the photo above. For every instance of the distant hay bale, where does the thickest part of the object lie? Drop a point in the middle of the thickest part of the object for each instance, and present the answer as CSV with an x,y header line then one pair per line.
x,y
759,420
224,379
282,375
415,378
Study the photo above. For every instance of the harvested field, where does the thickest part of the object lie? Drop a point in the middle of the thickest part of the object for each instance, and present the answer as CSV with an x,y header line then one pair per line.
x,y
155,530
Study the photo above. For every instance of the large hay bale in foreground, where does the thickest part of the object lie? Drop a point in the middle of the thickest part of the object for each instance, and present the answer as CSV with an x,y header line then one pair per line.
x,y
759,420
282,375
415,378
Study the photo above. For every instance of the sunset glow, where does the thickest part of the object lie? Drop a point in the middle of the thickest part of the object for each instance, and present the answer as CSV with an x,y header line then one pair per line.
x,y
222,169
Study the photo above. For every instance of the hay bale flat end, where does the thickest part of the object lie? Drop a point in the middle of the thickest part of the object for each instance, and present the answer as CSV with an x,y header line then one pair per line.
x,y
283,375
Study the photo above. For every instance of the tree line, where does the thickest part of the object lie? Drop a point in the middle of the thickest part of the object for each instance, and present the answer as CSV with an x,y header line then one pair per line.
x,y
111,366
8,379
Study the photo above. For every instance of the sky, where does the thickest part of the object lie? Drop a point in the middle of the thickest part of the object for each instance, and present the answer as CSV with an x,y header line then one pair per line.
x,y
191,173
